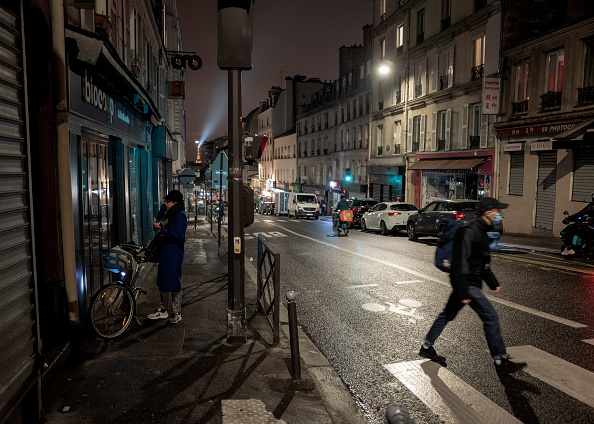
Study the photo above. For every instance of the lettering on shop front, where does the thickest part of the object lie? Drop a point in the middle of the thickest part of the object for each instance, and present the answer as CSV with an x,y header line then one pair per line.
x,y
536,130
96,97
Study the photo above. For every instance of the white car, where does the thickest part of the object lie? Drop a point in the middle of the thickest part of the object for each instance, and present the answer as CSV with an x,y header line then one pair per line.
x,y
387,216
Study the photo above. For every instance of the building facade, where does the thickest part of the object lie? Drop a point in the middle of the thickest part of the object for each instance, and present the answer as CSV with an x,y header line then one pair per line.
x,y
430,136
546,128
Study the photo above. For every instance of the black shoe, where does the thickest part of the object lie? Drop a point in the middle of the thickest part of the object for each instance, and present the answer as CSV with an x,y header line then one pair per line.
x,y
507,366
430,353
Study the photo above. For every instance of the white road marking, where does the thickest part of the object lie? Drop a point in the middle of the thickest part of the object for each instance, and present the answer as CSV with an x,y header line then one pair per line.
x,y
277,234
411,281
577,382
453,400
361,285
589,341
263,234
522,308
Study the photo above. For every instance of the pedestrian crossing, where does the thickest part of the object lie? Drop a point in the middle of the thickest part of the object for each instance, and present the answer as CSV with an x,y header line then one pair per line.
x,y
455,401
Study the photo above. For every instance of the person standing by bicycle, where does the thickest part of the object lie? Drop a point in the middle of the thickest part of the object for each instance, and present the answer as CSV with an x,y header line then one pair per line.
x,y
172,230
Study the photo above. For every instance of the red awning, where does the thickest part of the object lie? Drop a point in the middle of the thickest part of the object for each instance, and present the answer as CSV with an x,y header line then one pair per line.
x,y
448,164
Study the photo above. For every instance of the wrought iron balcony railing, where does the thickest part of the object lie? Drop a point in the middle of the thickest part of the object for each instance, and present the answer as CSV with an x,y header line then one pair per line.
x,y
379,150
475,141
477,72
586,95
415,146
520,107
396,149
419,90
551,100
440,144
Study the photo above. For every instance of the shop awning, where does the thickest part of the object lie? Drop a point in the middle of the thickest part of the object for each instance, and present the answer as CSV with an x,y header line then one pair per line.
x,y
577,132
448,164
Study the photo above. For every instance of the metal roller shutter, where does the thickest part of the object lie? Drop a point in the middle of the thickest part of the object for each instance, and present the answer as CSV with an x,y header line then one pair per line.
x,y
583,175
516,174
546,190
18,330
385,193
376,192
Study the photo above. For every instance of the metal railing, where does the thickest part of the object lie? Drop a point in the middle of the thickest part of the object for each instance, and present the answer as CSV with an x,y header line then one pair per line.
x,y
477,72
475,141
269,286
551,100
585,95
520,107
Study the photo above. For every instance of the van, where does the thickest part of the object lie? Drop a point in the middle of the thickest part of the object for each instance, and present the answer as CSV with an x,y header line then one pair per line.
x,y
303,205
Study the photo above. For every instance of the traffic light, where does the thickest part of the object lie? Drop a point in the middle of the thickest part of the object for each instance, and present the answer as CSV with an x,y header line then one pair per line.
x,y
254,147
347,175
234,34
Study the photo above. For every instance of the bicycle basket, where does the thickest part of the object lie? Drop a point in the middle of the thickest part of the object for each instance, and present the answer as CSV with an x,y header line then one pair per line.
x,y
117,260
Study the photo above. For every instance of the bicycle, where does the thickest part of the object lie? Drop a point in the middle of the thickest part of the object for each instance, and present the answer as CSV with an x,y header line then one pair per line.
x,y
114,305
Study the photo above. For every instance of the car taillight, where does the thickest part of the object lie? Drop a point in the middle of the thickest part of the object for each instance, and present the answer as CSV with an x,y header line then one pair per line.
x,y
356,209
393,213
459,215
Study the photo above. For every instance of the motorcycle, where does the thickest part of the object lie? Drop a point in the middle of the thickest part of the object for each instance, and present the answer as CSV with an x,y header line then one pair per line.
x,y
578,236
341,222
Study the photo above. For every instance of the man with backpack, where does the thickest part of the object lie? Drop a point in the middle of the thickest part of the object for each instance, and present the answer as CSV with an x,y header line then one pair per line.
x,y
470,266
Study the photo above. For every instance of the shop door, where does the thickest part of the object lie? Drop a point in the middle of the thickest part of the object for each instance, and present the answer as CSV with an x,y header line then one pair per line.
x,y
19,333
97,207
546,190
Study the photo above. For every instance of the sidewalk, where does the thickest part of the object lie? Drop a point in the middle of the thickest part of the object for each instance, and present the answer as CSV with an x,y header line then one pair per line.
x,y
186,373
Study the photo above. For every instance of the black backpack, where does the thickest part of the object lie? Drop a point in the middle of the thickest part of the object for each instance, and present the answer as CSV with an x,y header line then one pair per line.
x,y
445,245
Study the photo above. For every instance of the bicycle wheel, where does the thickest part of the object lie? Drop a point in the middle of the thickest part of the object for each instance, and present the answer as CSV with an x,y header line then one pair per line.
x,y
111,310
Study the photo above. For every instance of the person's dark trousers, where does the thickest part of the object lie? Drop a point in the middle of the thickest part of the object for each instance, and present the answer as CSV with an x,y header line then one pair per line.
x,y
479,304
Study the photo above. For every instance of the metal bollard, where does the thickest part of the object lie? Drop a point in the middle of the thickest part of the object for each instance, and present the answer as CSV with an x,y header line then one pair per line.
x,y
295,359
398,414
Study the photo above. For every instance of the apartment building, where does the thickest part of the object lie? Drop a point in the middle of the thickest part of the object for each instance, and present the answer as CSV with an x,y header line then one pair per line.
x,y
430,134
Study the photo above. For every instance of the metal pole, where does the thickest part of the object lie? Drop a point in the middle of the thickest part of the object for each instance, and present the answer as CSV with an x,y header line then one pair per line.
x,y
294,336
236,321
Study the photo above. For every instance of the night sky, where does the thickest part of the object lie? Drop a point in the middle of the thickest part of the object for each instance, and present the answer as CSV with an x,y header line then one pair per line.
x,y
290,36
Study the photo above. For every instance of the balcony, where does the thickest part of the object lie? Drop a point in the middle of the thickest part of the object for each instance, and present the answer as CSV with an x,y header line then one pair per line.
x,y
446,23
304,154
396,149
398,97
419,90
312,153
325,151
475,141
477,72
551,100
379,150
319,152
586,95
520,107
380,105
415,146
440,145
443,82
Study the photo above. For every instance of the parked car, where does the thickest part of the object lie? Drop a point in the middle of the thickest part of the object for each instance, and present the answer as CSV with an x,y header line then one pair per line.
x,y
359,206
303,205
430,220
387,216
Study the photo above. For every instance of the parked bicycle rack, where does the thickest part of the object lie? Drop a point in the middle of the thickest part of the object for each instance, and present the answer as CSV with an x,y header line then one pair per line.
x,y
269,285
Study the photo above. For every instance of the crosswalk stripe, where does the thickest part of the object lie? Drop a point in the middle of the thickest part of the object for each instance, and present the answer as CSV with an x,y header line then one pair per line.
x,y
452,399
565,376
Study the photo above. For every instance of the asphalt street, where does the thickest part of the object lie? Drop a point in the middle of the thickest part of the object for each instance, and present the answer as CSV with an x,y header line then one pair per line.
x,y
367,301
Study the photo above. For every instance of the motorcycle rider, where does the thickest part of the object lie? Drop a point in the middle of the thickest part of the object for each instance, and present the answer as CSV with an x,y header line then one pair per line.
x,y
340,206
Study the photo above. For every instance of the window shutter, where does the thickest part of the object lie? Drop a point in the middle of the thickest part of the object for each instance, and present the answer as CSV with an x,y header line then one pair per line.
x,y
422,133
451,67
434,73
434,133
484,131
516,174
409,135
411,83
464,143
583,175
424,90
448,124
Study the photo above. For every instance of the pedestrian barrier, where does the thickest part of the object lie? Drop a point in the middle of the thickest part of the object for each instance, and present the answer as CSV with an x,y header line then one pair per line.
x,y
269,285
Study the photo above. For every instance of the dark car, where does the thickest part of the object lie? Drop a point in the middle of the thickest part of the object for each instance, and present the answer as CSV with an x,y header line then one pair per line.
x,y
431,219
359,207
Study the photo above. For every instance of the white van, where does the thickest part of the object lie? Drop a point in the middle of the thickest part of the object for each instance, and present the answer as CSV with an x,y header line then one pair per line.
x,y
303,205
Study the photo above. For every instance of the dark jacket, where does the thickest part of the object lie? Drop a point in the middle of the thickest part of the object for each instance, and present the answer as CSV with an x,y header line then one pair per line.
x,y
471,259
343,205
172,249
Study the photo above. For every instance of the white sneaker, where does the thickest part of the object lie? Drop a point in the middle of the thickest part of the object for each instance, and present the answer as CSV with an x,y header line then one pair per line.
x,y
159,314
175,318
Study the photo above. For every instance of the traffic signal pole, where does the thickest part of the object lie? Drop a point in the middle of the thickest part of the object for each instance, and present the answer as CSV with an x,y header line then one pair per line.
x,y
236,320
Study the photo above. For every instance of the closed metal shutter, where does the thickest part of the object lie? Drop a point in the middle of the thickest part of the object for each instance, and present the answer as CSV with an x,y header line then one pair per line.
x,y
546,190
376,190
583,175
385,193
516,174
18,329
396,192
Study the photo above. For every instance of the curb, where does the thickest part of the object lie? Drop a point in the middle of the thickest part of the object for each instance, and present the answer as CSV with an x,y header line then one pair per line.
x,y
530,248
337,398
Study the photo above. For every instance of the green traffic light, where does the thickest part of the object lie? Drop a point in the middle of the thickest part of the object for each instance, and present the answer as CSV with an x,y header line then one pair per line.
x,y
347,178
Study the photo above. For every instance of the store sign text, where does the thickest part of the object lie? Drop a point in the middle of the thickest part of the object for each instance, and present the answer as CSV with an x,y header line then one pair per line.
x,y
513,147
541,145
536,130
490,96
94,96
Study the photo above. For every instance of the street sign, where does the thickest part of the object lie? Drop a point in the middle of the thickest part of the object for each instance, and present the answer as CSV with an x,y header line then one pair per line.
x,y
187,175
220,170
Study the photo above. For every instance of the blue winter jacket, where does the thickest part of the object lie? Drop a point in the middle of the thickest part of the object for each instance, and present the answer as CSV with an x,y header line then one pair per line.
x,y
172,254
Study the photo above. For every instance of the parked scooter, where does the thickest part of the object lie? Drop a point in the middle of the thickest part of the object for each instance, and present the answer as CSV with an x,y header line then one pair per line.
x,y
578,236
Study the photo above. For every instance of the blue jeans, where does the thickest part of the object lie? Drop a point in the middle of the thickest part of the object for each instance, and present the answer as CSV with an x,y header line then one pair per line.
x,y
479,304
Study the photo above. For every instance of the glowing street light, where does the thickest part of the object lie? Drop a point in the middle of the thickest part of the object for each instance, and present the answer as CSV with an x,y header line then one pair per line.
x,y
384,69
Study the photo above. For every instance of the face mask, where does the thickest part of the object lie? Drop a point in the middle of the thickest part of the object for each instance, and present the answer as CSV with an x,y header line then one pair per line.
x,y
498,219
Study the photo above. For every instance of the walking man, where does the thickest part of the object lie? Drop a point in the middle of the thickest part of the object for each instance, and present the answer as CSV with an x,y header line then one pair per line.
x,y
172,230
470,267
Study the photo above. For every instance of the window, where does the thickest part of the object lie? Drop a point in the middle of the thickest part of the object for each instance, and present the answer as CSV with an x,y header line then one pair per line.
x,y
446,19
420,26
380,95
348,112
383,48
380,139
522,81
441,129
516,174
383,9
416,133
555,64
400,36
476,119
397,136
479,51
354,108
589,66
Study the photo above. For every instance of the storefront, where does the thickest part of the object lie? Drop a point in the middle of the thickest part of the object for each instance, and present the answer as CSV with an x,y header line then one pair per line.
x,y
386,183
455,176
118,163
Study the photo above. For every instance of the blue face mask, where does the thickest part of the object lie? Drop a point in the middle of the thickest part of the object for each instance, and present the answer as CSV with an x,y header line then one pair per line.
x,y
498,219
